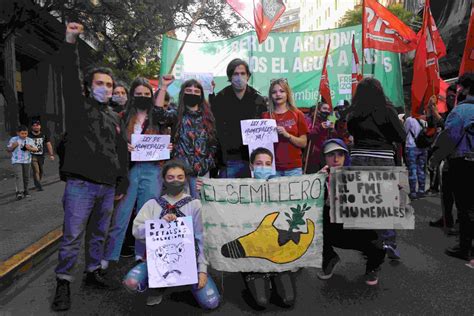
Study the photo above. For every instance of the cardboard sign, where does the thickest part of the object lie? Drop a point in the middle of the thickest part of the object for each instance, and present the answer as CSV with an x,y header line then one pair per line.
x,y
271,225
258,131
370,198
171,253
150,147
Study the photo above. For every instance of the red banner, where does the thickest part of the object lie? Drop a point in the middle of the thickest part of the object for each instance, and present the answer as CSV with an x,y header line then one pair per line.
x,y
356,70
261,14
467,63
426,79
382,30
324,89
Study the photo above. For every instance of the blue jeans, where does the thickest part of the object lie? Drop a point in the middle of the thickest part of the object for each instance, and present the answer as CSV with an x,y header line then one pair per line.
x,y
145,184
289,173
235,169
416,161
88,208
136,280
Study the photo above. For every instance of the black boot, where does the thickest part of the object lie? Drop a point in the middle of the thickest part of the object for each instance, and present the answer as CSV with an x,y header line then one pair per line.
x,y
98,279
62,298
284,288
259,286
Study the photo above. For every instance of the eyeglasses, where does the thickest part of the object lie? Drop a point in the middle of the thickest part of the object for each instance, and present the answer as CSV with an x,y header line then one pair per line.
x,y
279,80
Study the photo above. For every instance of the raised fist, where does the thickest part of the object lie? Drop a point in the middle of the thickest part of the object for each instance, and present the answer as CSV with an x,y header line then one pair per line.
x,y
73,30
166,80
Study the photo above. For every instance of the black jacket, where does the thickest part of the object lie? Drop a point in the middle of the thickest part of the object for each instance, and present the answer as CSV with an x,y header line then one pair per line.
x,y
228,111
95,145
378,129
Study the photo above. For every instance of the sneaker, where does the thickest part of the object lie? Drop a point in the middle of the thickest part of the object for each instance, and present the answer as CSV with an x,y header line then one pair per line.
x,y
470,264
40,188
328,269
155,297
62,298
431,192
454,230
127,252
19,196
27,194
413,196
371,278
392,252
97,279
420,195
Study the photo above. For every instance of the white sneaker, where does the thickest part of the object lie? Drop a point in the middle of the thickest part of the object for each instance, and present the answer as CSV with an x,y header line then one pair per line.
x,y
153,300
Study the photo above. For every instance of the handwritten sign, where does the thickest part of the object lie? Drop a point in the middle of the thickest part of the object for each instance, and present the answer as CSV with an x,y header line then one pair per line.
x,y
171,254
150,147
370,198
258,131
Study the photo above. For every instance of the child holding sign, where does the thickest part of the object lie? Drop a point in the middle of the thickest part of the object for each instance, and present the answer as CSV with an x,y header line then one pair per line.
x,y
174,203
335,154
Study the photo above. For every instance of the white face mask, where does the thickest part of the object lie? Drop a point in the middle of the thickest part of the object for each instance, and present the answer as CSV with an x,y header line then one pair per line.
x,y
119,99
239,82
100,94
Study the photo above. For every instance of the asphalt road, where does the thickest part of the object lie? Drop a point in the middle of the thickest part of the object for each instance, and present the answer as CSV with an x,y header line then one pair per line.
x,y
424,282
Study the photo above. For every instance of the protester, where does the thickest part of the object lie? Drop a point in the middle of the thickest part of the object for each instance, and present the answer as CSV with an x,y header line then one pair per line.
x,y
435,125
340,111
94,162
21,147
291,127
119,97
319,132
144,176
335,154
235,103
259,284
175,203
456,143
374,124
194,134
416,157
41,141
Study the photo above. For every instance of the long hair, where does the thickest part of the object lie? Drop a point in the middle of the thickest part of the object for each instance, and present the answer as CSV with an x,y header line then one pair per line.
x,y
290,103
131,113
208,117
368,97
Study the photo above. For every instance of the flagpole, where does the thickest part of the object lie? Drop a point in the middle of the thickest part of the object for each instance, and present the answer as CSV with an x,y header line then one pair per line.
x,y
196,18
363,38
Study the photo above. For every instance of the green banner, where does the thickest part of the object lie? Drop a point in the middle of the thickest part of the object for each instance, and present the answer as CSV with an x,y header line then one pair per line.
x,y
296,56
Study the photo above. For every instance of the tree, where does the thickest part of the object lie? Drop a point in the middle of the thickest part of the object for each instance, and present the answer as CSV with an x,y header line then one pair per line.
x,y
127,34
354,17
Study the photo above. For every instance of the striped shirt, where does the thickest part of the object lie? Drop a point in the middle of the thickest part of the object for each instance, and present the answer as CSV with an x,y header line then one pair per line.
x,y
18,155
375,153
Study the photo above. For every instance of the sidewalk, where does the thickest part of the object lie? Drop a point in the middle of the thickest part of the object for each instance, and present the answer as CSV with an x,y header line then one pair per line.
x,y
25,223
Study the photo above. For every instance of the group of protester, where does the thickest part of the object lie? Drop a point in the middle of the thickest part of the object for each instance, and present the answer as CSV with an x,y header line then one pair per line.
x,y
28,149
106,193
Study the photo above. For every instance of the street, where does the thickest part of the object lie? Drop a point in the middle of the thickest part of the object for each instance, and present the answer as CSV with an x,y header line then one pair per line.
x,y
424,282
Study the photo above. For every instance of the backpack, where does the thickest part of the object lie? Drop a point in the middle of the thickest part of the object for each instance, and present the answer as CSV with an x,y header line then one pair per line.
x,y
423,140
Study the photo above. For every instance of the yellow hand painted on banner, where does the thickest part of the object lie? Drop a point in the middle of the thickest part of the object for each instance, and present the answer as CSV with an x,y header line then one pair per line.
x,y
263,243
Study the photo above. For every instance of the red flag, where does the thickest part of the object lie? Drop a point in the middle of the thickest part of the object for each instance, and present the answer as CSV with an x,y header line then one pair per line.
x,y
324,89
261,14
356,70
426,79
382,30
467,63
443,89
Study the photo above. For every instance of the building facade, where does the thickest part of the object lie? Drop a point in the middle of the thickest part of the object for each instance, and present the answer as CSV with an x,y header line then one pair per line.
x,y
323,14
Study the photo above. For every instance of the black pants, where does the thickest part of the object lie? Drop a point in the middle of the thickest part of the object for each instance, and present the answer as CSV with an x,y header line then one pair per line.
x,y
447,195
365,241
463,169
37,163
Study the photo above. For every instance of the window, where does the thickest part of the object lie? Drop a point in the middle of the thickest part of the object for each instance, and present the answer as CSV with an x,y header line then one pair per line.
x,y
335,5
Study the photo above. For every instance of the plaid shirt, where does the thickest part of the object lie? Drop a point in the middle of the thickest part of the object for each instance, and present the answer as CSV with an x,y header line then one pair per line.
x,y
18,155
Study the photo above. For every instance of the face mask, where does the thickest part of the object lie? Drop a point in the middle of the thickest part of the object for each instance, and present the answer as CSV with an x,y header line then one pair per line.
x,y
119,99
262,172
239,82
174,187
323,115
191,99
100,94
143,103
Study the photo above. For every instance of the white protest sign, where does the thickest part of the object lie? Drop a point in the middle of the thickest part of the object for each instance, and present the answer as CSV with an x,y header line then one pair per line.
x,y
258,131
171,254
150,147
369,198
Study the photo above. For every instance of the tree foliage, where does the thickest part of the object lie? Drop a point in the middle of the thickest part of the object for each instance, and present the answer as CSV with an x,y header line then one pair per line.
x,y
354,17
127,34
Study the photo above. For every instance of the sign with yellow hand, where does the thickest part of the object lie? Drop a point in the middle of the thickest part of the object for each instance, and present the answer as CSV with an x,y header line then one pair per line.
x,y
263,225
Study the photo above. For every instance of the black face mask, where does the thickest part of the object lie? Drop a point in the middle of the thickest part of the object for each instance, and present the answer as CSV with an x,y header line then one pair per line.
x,y
323,115
142,103
174,187
191,99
